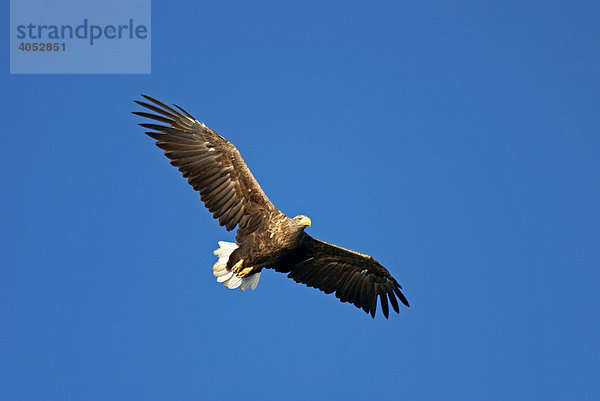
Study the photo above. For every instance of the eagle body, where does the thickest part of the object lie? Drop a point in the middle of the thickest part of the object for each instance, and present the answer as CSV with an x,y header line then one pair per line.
x,y
264,247
266,238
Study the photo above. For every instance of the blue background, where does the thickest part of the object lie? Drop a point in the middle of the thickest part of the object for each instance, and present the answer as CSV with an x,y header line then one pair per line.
x,y
457,143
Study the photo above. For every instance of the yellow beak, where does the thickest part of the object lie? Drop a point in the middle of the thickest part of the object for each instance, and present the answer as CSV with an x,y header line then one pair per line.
x,y
305,221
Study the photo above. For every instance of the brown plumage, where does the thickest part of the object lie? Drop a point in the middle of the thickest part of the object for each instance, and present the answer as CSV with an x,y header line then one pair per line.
x,y
266,237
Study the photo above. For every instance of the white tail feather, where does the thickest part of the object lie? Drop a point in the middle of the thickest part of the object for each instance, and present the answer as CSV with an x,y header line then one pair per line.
x,y
250,282
227,277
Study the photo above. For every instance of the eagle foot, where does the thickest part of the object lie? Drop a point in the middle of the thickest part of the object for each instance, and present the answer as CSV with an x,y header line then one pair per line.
x,y
244,272
237,268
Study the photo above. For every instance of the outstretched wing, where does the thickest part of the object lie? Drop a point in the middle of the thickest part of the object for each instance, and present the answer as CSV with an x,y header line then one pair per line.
x,y
354,277
212,166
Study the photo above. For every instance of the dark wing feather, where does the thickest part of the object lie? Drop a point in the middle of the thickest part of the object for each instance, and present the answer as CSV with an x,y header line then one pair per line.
x,y
354,277
212,166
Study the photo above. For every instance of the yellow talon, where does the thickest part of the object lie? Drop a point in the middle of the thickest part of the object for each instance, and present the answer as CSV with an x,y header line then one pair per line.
x,y
238,267
244,272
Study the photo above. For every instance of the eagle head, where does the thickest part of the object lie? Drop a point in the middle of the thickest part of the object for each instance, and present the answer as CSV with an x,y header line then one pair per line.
x,y
301,221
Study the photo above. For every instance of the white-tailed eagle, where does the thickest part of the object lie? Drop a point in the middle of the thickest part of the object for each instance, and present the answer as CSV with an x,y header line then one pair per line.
x,y
266,238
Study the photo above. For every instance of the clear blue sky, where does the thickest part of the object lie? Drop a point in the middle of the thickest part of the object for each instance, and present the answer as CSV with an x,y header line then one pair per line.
x,y
457,143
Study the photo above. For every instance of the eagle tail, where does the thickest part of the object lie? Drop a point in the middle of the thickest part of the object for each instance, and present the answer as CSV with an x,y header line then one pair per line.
x,y
227,277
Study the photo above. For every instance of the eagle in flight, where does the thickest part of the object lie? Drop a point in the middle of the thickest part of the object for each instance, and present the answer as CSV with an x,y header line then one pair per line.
x,y
266,237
